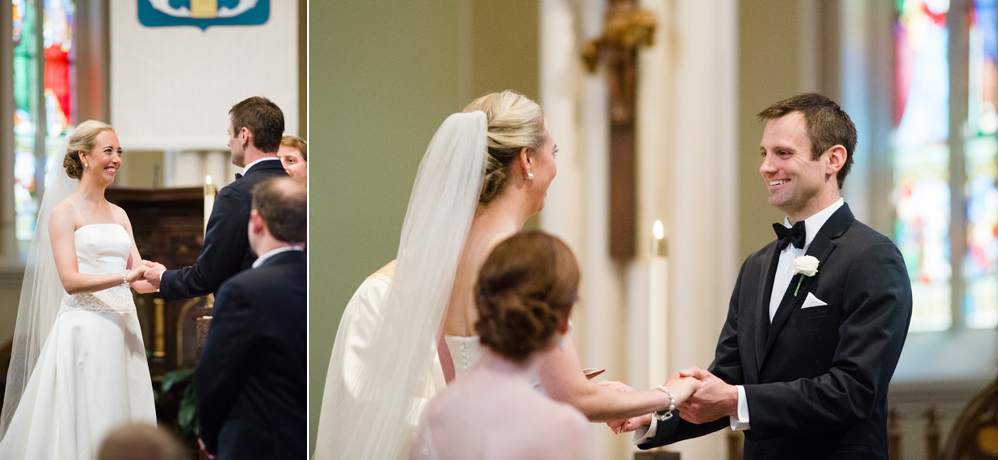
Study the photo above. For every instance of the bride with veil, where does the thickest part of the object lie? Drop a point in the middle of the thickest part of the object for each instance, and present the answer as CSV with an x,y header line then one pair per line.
x,y
409,329
78,368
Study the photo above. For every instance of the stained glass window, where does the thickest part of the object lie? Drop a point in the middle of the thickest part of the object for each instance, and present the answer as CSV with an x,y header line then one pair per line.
x,y
42,103
980,266
922,158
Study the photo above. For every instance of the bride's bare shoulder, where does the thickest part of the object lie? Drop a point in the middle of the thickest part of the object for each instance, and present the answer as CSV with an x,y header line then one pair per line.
x,y
65,212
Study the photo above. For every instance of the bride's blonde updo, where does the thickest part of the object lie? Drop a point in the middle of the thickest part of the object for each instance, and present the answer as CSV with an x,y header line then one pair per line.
x,y
82,140
514,122
525,293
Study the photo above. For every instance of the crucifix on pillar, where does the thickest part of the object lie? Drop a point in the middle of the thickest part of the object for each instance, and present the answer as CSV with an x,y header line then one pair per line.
x,y
625,29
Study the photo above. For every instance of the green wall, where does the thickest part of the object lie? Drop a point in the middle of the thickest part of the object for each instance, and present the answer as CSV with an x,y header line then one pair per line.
x,y
769,69
382,76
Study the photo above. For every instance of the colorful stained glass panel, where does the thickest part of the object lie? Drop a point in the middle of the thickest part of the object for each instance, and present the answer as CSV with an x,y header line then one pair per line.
x,y
980,266
37,97
921,158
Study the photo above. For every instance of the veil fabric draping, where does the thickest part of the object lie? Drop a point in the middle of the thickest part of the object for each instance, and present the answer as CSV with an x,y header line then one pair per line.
x,y
370,412
41,293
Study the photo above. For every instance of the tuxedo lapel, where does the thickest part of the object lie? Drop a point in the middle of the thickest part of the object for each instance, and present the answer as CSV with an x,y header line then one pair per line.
x,y
821,247
762,326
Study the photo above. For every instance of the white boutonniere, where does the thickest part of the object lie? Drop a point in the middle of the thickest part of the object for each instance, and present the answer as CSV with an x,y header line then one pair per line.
x,y
805,266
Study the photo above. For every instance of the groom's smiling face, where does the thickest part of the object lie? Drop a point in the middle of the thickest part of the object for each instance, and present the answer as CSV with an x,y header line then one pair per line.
x,y
795,182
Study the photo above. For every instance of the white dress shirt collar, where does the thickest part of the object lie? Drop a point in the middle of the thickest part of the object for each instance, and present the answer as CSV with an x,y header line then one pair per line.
x,y
259,260
247,167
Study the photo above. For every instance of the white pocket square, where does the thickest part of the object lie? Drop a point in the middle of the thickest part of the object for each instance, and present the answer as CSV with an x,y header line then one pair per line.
x,y
812,301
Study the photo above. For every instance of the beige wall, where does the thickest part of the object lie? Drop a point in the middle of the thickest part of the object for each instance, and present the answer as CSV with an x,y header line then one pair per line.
x,y
383,75
769,69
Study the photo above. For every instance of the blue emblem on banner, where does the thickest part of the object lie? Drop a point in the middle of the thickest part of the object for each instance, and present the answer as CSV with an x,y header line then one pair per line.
x,y
203,13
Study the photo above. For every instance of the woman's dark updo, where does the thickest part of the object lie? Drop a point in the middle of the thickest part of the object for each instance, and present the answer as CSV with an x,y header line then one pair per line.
x,y
514,122
525,294
82,140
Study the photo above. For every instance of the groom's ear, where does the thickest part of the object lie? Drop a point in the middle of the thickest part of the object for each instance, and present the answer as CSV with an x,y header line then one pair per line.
x,y
835,159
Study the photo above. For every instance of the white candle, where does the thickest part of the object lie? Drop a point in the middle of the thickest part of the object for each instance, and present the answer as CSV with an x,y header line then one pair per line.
x,y
658,357
209,200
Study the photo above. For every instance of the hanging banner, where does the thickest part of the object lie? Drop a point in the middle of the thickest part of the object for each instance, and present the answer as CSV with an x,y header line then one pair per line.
x,y
171,88
203,13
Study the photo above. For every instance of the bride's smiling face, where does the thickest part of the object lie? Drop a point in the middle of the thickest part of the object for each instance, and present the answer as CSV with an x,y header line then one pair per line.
x,y
104,160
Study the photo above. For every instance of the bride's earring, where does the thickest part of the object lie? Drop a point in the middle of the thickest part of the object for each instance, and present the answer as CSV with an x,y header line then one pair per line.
x,y
530,175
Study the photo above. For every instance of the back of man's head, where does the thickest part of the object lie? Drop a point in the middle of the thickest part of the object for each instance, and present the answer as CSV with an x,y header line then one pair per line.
x,y
261,117
282,202
140,442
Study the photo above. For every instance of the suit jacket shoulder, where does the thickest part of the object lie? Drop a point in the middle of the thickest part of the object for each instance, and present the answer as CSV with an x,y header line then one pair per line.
x,y
226,248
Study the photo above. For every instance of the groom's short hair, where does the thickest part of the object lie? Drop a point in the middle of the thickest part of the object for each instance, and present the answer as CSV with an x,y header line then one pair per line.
x,y
827,125
261,117
283,204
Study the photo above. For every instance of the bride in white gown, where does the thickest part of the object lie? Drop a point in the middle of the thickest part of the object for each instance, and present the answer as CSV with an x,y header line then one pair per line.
x,y
78,365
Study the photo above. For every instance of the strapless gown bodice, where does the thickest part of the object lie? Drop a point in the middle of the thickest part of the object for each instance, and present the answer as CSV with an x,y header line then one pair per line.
x,y
101,249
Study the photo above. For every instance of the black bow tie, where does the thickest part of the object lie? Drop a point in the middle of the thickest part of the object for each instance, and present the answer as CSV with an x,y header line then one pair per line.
x,y
796,235
239,176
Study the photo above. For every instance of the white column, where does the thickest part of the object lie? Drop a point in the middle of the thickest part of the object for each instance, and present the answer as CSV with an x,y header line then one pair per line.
x,y
182,169
703,180
655,122
687,158
215,165
576,208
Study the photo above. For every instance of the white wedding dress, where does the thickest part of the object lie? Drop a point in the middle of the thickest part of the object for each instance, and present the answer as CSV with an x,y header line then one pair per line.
x,y
92,375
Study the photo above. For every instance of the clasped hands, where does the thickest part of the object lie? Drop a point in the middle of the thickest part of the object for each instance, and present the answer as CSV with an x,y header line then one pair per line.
x,y
153,270
700,397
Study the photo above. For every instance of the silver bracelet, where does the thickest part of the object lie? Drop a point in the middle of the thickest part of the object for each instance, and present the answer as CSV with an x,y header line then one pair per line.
x,y
672,405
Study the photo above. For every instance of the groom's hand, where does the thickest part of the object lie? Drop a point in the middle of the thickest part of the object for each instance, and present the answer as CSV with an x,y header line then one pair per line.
x,y
713,400
153,272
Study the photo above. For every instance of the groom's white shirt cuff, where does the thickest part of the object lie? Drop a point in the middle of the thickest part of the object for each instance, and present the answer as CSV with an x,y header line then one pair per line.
x,y
645,434
741,422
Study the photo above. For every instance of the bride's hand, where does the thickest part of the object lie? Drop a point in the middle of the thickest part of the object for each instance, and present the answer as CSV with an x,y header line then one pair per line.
x,y
682,386
136,273
630,424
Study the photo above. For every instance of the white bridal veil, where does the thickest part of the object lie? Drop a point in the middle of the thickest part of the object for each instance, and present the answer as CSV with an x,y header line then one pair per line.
x,y
367,413
41,293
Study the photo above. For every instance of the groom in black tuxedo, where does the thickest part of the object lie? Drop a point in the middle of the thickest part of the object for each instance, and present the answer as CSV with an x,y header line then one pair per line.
x,y
255,129
805,357
250,383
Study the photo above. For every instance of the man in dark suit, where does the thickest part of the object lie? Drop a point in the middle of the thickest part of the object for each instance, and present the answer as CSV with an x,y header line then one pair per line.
x,y
250,383
817,318
255,129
